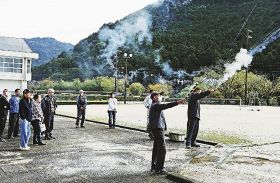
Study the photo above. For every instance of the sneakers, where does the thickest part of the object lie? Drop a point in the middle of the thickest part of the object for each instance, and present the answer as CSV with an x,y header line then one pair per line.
x,y
47,138
2,140
24,148
189,146
82,126
77,126
151,136
10,138
41,144
160,172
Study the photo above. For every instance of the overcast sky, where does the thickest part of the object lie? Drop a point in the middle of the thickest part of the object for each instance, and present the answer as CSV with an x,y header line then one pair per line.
x,y
65,20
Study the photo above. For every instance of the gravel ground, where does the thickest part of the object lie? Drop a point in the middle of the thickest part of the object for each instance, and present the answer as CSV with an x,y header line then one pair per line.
x,y
256,126
93,154
99,154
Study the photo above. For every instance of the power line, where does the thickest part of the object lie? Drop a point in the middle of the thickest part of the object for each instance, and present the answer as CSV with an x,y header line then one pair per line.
x,y
238,34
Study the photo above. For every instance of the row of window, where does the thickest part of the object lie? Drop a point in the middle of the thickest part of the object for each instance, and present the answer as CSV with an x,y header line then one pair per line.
x,y
13,65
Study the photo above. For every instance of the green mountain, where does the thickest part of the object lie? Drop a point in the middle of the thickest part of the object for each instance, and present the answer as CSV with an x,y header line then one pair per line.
x,y
47,48
170,38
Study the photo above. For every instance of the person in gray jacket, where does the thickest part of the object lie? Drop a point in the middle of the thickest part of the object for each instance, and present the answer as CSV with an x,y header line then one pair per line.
x,y
81,108
194,116
157,125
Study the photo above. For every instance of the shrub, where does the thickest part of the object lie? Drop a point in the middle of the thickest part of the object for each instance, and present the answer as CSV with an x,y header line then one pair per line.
x,y
166,88
136,89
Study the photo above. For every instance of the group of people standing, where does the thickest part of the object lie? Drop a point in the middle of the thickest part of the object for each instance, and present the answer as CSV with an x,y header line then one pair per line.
x,y
81,102
24,112
157,124
33,110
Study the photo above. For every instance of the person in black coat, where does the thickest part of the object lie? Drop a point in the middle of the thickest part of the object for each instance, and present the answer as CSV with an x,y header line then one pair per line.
x,y
157,125
4,108
49,106
194,116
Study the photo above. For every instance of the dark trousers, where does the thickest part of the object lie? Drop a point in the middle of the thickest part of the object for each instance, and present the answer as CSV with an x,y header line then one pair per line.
x,y
159,150
3,120
192,131
112,117
13,125
37,131
49,124
79,114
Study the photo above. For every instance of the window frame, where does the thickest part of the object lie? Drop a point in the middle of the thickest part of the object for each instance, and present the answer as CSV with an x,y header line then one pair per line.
x,y
7,65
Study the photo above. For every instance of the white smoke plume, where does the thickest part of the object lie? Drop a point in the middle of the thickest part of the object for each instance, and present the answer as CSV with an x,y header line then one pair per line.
x,y
269,39
167,69
245,58
242,59
130,32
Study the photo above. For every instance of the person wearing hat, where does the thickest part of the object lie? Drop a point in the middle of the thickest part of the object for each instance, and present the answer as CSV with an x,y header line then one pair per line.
x,y
49,106
4,108
81,108
194,115
157,125
25,115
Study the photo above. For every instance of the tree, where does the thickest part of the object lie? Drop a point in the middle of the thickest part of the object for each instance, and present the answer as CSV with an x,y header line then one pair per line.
x,y
235,86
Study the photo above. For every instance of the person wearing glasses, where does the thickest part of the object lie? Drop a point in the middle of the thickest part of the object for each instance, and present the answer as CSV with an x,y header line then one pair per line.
x,y
49,106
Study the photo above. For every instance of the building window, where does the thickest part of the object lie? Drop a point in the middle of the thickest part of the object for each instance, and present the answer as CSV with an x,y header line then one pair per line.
x,y
13,65
28,66
18,65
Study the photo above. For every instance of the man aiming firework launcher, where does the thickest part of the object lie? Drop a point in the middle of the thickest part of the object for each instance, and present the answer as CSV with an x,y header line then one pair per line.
x,y
194,114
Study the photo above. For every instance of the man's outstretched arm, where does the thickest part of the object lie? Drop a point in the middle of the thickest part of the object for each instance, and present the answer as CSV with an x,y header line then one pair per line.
x,y
160,107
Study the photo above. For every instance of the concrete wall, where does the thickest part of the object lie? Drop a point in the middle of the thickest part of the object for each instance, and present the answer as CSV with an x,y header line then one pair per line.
x,y
11,85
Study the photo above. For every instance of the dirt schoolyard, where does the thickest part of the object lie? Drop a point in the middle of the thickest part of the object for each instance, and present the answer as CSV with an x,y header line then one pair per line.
x,y
257,125
99,154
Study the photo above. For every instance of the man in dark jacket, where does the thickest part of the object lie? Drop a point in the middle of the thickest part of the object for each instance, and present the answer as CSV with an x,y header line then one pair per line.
x,y
14,115
81,108
4,108
49,106
157,125
194,116
25,114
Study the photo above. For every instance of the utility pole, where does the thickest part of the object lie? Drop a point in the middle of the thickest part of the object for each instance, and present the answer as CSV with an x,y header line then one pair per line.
x,y
115,62
248,37
116,76
126,57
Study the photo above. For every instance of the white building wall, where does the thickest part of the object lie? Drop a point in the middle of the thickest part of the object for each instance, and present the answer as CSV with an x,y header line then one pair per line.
x,y
11,85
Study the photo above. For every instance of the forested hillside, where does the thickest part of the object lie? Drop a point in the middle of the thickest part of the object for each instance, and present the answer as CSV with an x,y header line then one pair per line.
x,y
177,35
